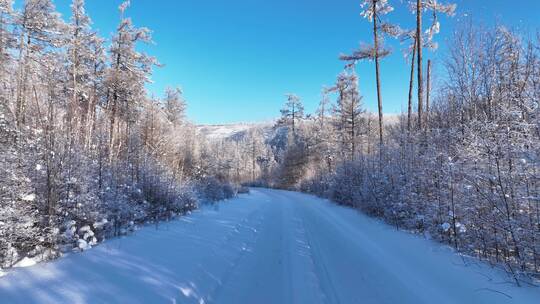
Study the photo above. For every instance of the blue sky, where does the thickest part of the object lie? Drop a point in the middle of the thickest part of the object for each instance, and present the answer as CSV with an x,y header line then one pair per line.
x,y
236,59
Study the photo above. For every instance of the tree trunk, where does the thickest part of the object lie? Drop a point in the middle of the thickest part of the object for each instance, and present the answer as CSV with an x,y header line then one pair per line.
x,y
428,89
379,98
411,81
21,79
419,57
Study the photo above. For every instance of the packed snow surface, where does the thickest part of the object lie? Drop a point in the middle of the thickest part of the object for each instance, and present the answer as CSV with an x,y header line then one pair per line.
x,y
266,247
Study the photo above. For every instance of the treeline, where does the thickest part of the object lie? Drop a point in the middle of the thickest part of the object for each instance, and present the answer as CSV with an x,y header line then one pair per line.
x,y
463,167
85,154
470,177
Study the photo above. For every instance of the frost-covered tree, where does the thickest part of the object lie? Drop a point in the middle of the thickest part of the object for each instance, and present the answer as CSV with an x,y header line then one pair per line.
x,y
324,132
129,71
174,105
8,44
40,32
292,112
347,112
19,220
63,185
83,63
474,186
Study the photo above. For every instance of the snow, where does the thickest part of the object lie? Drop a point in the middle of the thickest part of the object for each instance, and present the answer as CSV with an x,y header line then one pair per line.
x,y
83,245
228,131
29,197
100,224
269,246
84,229
445,226
26,262
214,132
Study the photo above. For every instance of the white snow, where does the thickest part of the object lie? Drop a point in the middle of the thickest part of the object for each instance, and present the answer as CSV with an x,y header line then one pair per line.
x,y
220,132
85,228
25,262
213,132
445,226
83,245
266,247
100,224
29,197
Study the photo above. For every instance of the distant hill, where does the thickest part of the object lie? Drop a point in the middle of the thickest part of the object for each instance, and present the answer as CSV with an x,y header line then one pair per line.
x,y
234,131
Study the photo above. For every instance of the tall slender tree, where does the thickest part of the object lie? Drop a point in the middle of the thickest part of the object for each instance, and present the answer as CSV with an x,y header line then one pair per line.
x,y
373,10
129,71
292,112
428,91
81,64
411,85
418,8
8,44
40,28
419,48
348,111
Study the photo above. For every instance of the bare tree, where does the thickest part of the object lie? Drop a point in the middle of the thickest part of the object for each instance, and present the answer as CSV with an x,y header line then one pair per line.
x,y
373,10
419,7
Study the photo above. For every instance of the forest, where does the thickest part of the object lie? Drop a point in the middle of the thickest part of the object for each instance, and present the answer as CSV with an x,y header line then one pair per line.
x,y
87,154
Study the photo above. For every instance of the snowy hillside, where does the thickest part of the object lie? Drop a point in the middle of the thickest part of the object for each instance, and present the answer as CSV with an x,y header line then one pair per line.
x,y
231,131
218,132
266,247
239,130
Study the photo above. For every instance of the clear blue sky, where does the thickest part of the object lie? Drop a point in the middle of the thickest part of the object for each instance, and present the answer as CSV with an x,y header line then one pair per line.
x,y
236,59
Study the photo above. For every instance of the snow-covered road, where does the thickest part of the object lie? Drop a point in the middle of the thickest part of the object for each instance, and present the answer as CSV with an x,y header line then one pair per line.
x,y
266,247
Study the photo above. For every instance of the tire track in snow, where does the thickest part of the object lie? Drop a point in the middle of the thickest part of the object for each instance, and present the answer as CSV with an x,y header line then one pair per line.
x,y
306,283
199,289
244,250
320,269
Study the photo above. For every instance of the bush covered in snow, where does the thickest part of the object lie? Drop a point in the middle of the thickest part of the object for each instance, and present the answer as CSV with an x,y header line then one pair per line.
x,y
211,189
